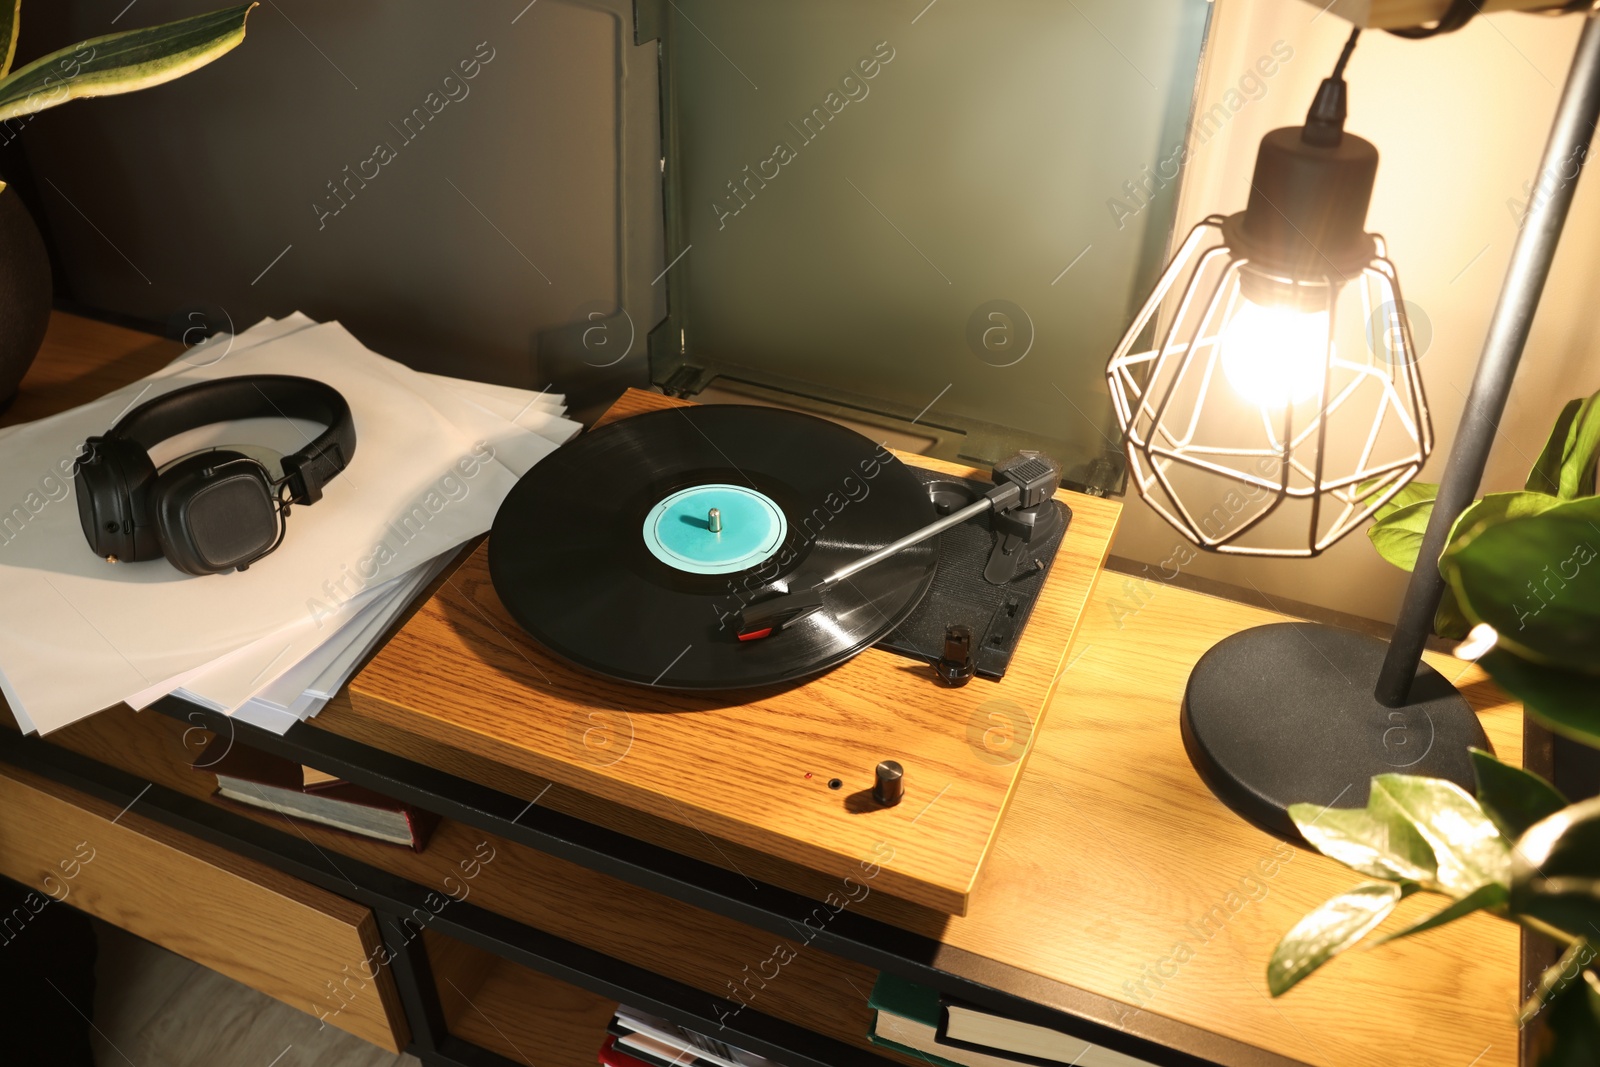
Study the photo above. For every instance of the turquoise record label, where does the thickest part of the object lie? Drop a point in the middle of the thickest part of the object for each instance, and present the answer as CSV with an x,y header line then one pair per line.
x,y
678,532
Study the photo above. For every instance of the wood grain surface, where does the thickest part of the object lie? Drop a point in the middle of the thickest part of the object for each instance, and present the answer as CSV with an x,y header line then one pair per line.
x,y
1114,854
82,360
1397,13
525,1016
271,932
752,768
699,948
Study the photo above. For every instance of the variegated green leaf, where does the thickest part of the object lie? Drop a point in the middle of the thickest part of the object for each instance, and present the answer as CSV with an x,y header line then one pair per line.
x,y
1328,931
1556,876
1466,843
1492,896
1514,798
1556,978
122,62
10,20
1380,848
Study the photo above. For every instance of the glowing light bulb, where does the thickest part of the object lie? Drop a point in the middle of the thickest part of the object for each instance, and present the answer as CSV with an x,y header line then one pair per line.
x,y
1274,356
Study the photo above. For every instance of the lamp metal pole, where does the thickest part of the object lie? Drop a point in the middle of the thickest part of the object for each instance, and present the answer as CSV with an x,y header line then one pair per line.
x,y
1565,153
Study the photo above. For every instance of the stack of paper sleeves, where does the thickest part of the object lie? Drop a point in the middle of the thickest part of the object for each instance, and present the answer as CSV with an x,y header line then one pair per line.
x,y
434,458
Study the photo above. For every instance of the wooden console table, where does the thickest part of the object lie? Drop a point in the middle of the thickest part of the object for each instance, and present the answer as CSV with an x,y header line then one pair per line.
x,y
1119,899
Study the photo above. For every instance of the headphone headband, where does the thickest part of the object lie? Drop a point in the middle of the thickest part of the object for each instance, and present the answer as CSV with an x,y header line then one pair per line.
x,y
254,396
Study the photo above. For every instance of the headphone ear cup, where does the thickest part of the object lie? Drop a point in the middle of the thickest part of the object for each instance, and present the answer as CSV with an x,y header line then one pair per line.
x,y
113,482
215,511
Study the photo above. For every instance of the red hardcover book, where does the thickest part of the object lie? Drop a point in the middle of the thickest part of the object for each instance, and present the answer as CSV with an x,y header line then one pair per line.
x,y
271,783
611,1056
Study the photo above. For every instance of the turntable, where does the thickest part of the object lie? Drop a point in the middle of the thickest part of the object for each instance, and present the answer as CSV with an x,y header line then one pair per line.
x,y
736,547
738,620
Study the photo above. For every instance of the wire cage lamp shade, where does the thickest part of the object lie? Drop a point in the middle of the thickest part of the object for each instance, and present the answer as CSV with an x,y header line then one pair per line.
x,y
1270,401
1264,411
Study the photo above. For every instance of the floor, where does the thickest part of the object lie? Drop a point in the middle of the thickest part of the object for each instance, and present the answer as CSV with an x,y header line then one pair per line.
x,y
156,1009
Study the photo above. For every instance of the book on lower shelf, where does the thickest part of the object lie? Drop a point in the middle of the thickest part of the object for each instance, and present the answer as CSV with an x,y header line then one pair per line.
x,y
655,1042
261,780
612,1056
917,1021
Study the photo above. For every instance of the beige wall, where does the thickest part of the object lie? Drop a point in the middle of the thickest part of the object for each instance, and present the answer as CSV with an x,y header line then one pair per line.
x,y
1460,122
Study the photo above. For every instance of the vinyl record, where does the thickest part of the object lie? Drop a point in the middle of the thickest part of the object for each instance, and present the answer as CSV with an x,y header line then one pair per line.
x,y
605,552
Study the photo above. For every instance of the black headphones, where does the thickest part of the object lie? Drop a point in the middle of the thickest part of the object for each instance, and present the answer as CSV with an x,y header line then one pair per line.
x,y
216,510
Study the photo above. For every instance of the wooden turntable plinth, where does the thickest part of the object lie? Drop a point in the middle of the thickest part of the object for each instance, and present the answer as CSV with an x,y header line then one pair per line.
x,y
786,774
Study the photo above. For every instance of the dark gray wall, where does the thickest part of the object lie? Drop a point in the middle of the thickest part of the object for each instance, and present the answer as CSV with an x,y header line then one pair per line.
x,y
503,217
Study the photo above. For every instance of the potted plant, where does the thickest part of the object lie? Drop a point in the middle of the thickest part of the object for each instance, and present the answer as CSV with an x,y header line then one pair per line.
x,y
102,66
1523,571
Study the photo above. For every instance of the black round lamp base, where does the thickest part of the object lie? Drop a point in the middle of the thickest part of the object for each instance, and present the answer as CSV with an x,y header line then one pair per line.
x,y
1284,714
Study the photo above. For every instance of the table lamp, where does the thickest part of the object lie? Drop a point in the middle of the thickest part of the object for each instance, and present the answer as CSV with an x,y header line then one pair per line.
x,y
1270,402
1283,389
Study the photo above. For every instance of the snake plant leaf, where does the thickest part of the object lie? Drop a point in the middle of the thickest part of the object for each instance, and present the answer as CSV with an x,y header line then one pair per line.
x,y
1556,870
1513,798
1412,493
10,20
1545,477
1465,841
1398,535
1389,848
1574,1027
1536,580
1329,930
1562,699
1492,896
1556,978
122,62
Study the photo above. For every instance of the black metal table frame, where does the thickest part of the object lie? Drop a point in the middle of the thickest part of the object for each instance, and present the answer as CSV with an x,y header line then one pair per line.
x,y
973,978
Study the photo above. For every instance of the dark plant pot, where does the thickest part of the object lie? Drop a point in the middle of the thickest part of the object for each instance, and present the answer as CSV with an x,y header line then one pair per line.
x,y
25,292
